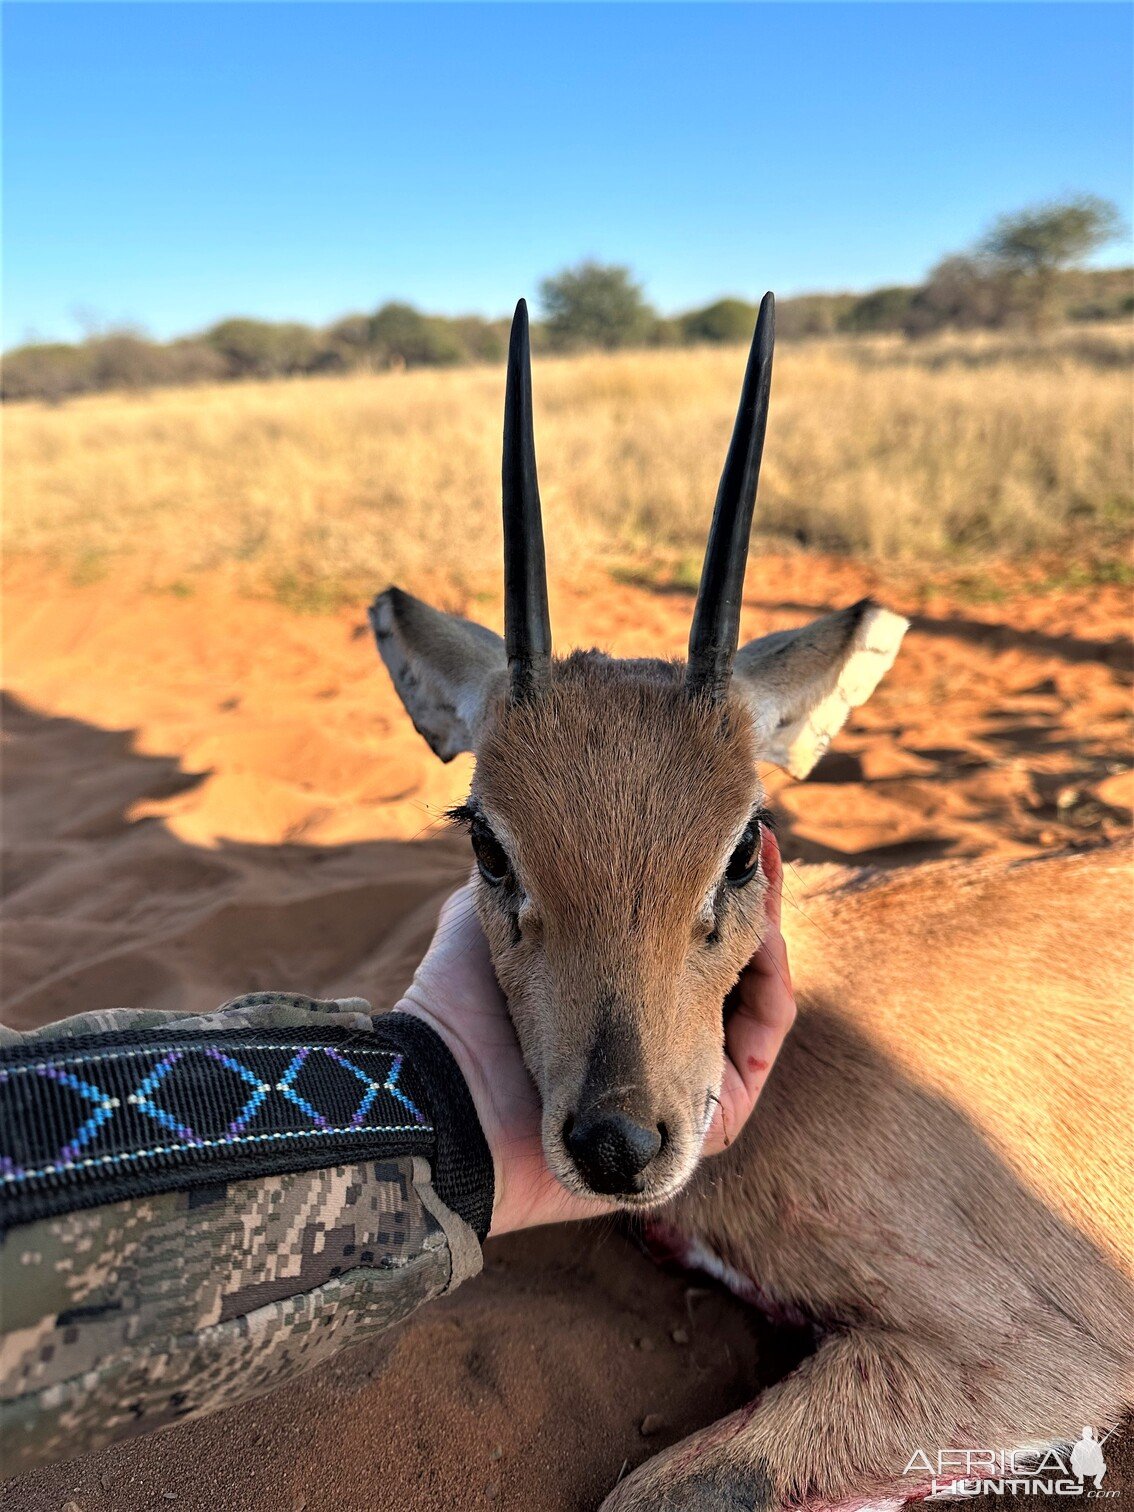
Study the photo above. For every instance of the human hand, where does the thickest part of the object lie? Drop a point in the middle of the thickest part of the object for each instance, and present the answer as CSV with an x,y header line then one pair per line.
x,y
759,1012
455,991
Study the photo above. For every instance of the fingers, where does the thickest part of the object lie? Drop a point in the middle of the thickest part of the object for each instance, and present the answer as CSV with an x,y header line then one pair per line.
x,y
763,1004
457,967
765,1012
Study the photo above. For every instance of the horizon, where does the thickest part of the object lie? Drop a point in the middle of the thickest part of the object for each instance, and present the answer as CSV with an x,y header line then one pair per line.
x,y
170,167
502,317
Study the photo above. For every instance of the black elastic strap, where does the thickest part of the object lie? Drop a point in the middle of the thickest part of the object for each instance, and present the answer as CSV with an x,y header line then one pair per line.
x,y
462,1162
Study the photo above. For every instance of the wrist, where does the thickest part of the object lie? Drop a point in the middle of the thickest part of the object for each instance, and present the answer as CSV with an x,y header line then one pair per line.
x,y
463,1161
416,1007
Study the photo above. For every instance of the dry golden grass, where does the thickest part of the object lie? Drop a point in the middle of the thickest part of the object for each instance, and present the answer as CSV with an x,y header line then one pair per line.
x,y
317,486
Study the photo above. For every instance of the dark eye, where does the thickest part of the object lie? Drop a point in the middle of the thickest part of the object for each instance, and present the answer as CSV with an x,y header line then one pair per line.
x,y
742,863
491,858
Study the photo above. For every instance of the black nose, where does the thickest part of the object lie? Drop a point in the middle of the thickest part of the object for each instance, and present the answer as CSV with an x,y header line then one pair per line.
x,y
611,1151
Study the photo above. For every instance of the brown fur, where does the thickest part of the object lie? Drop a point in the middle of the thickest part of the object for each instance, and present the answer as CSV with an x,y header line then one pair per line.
x,y
620,799
938,1171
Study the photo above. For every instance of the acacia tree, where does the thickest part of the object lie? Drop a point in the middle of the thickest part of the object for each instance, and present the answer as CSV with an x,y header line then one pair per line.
x,y
595,305
1033,246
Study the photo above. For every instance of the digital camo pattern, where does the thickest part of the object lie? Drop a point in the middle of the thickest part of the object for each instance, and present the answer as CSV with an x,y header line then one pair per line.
x,y
255,1010
128,1317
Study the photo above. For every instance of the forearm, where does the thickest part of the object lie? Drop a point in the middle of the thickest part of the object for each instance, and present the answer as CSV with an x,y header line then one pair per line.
x,y
155,1268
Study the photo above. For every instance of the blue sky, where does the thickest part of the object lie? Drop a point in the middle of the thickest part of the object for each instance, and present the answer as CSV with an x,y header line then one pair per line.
x,y
168,164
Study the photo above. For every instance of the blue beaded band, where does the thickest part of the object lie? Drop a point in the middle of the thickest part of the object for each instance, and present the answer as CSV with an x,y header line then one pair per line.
x,y
112,1116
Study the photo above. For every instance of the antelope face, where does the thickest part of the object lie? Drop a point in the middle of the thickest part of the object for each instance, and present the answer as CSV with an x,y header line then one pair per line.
x,y
615,814
616,825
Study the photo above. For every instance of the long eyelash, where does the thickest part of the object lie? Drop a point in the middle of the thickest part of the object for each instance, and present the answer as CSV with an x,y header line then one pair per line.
x,y
766,817
462,816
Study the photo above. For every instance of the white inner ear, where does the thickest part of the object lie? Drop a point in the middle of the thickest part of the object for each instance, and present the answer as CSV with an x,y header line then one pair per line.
x,y
802,698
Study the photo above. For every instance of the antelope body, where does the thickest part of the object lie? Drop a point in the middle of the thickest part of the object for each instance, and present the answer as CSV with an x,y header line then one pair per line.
x,y
938,1172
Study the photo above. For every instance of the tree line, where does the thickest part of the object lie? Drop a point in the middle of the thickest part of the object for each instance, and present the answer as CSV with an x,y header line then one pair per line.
x,y
1025,271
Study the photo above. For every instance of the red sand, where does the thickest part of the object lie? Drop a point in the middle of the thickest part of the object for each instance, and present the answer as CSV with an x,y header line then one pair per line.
x,y
202,796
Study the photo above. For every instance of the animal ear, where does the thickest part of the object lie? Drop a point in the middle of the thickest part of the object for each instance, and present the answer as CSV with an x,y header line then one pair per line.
x,y
802,684
445,668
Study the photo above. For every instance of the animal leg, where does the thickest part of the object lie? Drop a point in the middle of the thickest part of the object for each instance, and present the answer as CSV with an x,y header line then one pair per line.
x,y
840,1429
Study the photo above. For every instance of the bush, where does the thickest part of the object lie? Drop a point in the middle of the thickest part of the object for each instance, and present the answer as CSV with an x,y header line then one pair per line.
x,y
193,361
120,360
263,349
882,310
480,340
726,320
50,371
401,336
667,331
594,305
961,292
812,314
127,361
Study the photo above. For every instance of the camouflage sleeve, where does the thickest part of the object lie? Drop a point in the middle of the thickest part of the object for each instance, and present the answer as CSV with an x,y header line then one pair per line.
x,y
152,1273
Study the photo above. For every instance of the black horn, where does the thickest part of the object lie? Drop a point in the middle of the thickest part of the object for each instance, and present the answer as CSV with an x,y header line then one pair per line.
x,y
527,625
716,619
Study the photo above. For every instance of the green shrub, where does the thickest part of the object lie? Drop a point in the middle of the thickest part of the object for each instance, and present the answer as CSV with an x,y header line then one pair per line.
x,y
595,305
725,320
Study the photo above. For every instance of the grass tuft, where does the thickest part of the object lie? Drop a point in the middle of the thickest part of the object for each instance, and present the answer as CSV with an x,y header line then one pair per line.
x,y
319,489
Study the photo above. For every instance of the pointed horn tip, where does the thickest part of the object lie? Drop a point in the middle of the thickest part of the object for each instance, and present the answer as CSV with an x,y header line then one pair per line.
x,y
766,320
764,336
519,338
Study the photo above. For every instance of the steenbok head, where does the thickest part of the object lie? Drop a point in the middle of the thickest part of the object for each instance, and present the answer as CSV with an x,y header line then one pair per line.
x,y
616,815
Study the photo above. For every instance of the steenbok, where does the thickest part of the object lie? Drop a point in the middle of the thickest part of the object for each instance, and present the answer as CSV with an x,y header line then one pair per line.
x,y
937,1175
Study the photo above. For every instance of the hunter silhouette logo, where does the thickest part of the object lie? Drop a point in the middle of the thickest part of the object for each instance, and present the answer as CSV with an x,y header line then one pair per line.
x,y
1059,1470
1087,1459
